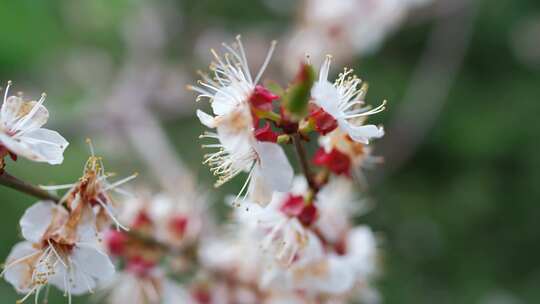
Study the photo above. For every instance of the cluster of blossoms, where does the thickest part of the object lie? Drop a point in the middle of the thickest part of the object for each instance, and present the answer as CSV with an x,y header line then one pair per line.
x,y
292,238
346,27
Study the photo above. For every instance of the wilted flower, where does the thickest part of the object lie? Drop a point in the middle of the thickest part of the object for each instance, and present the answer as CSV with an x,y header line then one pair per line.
x,y
90,195
21,132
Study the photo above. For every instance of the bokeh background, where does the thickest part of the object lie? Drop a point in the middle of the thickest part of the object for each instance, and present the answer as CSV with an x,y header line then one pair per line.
x,y
456,201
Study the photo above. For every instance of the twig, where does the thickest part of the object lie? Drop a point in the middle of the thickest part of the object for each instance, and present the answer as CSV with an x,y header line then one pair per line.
x,y
14,183
301,153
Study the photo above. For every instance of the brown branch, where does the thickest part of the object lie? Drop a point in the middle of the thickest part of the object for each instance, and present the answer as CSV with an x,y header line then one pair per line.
x,y
301,153
14,183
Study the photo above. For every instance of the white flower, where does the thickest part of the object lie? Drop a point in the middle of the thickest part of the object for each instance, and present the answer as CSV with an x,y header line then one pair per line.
x,y
337,204
58,249
238,149
153,288
21,131
283,237
179,219
343,100
346,28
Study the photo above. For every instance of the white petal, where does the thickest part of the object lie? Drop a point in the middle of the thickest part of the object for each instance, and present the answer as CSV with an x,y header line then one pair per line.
x,y
48,144
274,166
20,274
341,277
362,134
259,190
32,121
40,145
15,109
326,96
225,101
37,219
362,250
87,269
173,293
93,262
206,119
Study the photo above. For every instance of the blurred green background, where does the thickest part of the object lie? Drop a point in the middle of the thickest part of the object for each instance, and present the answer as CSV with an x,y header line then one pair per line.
x,y
459,219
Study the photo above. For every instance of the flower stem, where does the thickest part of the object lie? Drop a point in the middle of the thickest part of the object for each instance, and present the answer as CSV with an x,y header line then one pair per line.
x,y
301,152
12,182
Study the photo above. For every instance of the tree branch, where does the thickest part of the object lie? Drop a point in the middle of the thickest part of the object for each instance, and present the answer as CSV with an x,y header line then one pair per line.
x,y
301,153
14,183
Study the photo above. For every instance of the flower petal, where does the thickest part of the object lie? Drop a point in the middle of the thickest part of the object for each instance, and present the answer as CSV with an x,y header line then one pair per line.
x,y
87,267
50,145
274,166
362,134
326,96
207,120
20,275
38,218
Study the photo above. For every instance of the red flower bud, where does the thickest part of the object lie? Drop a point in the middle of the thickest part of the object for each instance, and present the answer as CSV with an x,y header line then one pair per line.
x,y
142,220
324,122
336,161
116,242
308,215
178,225
266,133
293,205
139,266
262,98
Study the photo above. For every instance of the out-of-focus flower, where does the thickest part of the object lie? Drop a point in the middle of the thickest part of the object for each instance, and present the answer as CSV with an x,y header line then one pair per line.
x,y
59,249
345,28
344,101
151,288
234,95
21,132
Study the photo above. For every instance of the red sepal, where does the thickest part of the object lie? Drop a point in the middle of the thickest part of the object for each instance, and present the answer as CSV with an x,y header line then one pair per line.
x,y
324,122
336,161
262,98
265,133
